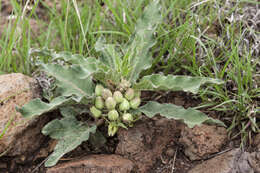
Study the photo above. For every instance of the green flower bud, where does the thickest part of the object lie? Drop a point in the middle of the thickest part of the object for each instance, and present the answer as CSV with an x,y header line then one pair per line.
x,y
135,103
118,96
124,84
99,103
112,129
124,105
110,103
113,115
129,94
98,90
95,112
127,118
106,93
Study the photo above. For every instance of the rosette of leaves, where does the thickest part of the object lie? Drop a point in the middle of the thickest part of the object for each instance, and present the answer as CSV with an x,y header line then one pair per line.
x,y
117,68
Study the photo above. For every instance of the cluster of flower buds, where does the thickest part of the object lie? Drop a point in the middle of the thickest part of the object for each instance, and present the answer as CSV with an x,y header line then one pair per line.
x,y
115,106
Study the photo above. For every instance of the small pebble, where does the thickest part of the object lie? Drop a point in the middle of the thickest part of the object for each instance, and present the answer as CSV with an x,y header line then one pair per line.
x,y
170,152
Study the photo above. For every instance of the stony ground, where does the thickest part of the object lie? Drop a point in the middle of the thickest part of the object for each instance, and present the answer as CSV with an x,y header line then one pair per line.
x,y
152,145
155,146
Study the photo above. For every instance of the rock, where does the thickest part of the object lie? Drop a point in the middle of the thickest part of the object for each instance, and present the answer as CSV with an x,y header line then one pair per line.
x,y
145,142
221,164
234,161
203,140
256,142
254,161
6,7
242,164
170,152
22,135
95,164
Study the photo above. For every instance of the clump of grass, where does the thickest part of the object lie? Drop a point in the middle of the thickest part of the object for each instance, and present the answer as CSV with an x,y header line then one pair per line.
x,y
224,44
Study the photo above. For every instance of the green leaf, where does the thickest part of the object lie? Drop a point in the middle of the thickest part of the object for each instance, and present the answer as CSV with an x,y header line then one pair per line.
x,y
104,77
70,134
91,66
66,56
110,56
102,69
74,110
173,83
190,116
69,82
88,65
38,107
137,53
109,66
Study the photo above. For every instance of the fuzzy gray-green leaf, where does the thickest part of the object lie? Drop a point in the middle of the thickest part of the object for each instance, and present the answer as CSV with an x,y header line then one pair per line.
x,y
69,82
142,40
38,107
70,134
190,116
110,56
89,65
73,110
173,83
64,55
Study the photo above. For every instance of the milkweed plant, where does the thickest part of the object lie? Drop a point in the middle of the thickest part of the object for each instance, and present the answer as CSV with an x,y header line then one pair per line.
x,y
108,89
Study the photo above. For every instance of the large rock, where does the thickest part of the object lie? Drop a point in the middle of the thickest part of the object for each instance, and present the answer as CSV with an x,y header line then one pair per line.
x,y
234,161
146,141
220,164
95,164
22,135
203,140
254,161
256,142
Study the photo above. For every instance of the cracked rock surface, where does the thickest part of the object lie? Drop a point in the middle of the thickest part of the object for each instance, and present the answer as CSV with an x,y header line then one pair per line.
x,y
201,141
21,135
234,161
95,164
145,142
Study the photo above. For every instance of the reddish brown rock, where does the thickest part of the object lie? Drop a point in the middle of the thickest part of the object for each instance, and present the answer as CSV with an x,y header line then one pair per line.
x,y
22,135
145,142
203,140
234,161
256,142
95,164
220,164
254,161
